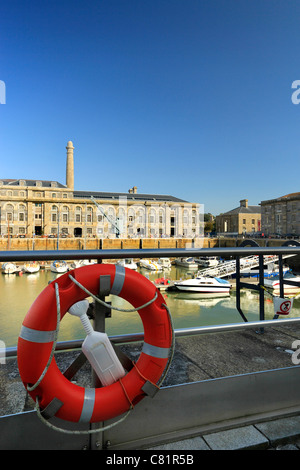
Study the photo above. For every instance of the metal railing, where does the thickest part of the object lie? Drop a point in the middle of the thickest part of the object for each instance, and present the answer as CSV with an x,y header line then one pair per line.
x,y
185,397
248,248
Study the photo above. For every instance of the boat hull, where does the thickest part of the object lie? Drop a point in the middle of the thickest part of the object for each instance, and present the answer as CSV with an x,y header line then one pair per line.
x,y
205,286
9,268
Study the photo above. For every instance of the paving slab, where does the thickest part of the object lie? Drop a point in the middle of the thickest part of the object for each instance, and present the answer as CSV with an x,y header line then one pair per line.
x,y
194,443
243,438
281,430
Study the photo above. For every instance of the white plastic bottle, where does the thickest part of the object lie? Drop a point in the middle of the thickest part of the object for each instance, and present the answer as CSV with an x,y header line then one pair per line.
x,y
98,348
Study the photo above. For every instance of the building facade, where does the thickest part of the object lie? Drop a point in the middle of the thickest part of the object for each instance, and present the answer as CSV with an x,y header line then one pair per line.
x,y
242,220
48,208
281,216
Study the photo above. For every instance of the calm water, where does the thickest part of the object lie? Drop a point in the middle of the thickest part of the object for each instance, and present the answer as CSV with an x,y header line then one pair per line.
x,y
19,292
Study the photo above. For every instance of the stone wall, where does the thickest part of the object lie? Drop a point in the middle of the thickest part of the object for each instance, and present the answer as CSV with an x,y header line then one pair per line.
x,y
20,244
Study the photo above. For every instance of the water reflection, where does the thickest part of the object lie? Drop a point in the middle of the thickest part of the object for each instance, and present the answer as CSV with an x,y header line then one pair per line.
x,y
19,292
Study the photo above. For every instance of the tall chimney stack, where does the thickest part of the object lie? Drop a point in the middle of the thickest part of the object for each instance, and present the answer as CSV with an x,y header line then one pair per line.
x,y
70,165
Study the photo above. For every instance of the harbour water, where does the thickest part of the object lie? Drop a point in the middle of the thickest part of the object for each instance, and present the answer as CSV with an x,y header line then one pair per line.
x,y
19,291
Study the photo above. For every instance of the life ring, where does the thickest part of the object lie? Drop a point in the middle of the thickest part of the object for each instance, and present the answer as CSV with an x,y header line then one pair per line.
x,y
88,405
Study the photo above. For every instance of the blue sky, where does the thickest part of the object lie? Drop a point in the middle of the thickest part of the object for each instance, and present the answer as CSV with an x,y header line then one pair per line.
x,y
184,97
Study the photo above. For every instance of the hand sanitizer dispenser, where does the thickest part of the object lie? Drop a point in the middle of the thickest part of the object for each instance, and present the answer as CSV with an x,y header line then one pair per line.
x,y
97,348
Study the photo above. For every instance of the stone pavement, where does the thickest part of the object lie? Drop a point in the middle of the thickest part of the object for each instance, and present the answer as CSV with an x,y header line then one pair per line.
x,y
279,434
199,358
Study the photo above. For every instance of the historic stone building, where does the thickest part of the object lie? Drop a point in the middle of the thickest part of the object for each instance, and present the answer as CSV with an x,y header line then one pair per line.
x,y
242,220
47,208
281,216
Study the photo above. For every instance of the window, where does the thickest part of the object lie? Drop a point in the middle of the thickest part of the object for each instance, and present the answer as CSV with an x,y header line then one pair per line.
x,y
78,214
65,214
89,214
54,214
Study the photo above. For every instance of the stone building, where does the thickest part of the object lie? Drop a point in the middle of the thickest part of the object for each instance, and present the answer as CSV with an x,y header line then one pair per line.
x,y
47,208
281,215
242,220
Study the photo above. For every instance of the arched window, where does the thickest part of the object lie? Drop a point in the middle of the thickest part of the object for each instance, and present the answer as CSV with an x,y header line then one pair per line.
x,y
78,214
89,214
65,214
22,213
9,212
54,214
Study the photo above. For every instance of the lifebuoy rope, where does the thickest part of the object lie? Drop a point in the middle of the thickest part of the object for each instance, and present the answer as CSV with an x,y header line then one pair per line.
x,y
91,431
108,305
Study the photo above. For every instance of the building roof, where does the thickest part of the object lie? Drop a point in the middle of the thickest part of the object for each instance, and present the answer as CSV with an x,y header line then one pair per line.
x,y
96,194
34,183
244,210
280,198
130,196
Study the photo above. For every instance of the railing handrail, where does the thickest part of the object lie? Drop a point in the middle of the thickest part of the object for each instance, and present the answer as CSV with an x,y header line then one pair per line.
x,y
196,330
40,255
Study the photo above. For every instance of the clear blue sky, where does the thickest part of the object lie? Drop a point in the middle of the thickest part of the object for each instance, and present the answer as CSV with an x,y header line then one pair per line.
x,y
184,97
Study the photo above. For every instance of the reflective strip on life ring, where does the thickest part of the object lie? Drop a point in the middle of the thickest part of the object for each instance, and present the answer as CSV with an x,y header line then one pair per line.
x,y
37,335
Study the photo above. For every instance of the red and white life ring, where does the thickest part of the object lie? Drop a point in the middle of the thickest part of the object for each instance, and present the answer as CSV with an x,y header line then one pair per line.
x,y
38,330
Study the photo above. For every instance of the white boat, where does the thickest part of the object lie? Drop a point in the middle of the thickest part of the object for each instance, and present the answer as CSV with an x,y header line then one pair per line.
x,y
9,268
270,270
205,285
207,261
82,262
151,265
274,284
186,263
127,263
165,263
59,267
31,267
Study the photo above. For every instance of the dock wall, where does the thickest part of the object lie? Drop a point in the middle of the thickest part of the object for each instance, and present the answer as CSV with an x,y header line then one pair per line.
x,y
45,243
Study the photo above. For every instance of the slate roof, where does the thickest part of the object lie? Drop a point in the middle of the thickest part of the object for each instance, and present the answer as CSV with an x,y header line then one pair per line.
x,y
96,194
44,183
130,196
245,210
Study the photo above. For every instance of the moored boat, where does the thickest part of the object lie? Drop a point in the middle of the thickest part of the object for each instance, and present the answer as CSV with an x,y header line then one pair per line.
x,y
151,265
274,284
165,263
207,261
186,263
127,263
82,262
59,267
31,267
205,285
9,268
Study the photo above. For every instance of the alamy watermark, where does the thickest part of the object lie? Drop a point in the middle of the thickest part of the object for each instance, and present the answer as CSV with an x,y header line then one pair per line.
x,y
296,354
2,92
296,94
